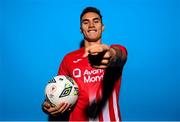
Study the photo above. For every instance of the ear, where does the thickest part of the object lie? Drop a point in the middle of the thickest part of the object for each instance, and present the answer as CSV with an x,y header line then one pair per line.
x,y
80,29
103,27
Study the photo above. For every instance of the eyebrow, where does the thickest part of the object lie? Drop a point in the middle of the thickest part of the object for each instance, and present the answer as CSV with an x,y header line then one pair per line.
x,y
96,18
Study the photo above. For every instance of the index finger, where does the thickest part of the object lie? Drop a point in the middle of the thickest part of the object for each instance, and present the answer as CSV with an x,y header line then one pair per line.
x,y
95,49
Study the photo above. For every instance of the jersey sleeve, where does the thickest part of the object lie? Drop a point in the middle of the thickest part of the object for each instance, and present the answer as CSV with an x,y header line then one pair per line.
x,y
122,56
63,68
122,48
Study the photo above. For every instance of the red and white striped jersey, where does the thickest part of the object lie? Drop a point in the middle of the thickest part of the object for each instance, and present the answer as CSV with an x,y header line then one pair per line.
x,y
89,82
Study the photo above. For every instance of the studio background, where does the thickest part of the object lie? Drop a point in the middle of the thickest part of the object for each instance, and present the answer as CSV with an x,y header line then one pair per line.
x,y
36,34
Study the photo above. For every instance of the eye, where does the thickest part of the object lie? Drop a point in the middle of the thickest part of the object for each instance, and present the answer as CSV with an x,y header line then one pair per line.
x,y
85,22
96,21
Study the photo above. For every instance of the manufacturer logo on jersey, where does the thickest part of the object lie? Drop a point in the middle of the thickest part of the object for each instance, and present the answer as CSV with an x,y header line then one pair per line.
x,y
76,61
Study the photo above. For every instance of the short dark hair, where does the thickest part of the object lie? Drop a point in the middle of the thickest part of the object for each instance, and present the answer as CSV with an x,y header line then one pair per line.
x,y
90,9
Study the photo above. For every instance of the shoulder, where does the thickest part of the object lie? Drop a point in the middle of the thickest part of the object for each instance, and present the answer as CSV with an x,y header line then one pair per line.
x,y
74,54
123,48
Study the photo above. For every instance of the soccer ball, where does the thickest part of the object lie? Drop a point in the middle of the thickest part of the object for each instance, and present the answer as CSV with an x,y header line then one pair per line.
x,y
61,89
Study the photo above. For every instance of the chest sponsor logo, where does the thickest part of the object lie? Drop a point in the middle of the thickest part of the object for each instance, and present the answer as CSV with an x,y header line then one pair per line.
x,y
89,76
77,73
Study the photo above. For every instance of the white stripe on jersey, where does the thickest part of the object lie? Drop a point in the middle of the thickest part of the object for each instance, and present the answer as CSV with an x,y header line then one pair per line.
x,y
106,114
115,106
105,110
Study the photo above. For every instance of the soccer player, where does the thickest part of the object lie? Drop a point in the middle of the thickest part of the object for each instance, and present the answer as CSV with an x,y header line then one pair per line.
x,y
97,69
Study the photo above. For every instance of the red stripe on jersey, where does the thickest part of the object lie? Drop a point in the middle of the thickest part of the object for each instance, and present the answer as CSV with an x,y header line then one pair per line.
x,y
100,117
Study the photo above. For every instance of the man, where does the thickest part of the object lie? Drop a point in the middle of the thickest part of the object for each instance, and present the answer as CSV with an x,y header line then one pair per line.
x,y
97,70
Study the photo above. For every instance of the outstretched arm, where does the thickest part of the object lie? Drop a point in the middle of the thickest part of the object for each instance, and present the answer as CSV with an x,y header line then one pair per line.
x,y
103,56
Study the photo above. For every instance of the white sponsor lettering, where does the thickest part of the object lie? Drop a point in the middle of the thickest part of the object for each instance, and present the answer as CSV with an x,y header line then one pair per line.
x,y
89,79
89,76
87,72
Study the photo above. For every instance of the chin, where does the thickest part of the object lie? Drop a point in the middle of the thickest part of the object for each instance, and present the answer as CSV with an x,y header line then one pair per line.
x,y
93,39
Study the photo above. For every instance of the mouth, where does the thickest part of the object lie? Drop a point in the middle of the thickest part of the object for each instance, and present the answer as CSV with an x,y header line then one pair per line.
x,y
92,31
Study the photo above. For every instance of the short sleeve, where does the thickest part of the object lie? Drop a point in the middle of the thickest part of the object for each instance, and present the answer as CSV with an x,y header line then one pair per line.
x,y
63,68
123,49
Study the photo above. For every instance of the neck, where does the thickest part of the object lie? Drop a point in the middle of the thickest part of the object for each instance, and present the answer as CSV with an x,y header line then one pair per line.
x,y
89,43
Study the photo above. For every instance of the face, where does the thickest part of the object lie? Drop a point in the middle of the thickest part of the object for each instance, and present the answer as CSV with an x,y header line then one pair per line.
x,y
92,27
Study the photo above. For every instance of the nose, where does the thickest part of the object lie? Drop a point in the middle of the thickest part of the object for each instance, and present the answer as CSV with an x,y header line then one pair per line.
x,y
91,24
